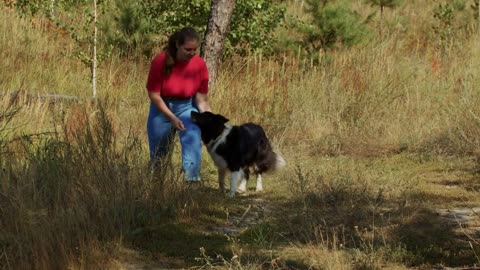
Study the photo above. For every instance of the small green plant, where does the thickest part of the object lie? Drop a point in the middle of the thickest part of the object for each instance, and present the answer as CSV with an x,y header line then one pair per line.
x,y
445,28
262,235
444,14
220,261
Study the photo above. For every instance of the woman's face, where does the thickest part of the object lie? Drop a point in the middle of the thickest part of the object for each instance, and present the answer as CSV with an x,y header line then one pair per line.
x,y
188,50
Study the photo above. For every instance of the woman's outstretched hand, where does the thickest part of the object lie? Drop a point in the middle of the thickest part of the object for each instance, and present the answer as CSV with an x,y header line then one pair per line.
x,y
178,124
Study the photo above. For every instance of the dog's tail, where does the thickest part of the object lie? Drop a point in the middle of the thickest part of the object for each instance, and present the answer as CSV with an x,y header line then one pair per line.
x,y
279,162
272,162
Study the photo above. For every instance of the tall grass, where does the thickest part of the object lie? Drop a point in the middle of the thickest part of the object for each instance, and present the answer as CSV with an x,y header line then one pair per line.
x,y
65,195
362,96
75,176
367,101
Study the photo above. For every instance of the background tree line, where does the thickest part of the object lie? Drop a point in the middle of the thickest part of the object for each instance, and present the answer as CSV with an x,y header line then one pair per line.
x,y
138,27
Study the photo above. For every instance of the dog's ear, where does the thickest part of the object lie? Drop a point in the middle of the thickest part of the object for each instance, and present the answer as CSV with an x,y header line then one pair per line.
x,y
194,116
222,118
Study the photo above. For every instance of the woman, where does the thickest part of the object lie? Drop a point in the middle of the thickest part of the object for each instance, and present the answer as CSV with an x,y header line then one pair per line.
x,y
178,84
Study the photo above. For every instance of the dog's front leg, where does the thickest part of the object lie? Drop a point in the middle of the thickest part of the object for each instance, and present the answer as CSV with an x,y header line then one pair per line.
x,y
242,188
236,176
221,179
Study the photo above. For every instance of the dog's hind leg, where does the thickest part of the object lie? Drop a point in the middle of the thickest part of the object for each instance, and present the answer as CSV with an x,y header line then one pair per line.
x,y
258,173
259,183
236,176
242,188
221,179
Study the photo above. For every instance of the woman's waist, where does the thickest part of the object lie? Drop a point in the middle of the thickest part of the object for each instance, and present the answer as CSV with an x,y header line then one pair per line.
x,y
176,105
176,98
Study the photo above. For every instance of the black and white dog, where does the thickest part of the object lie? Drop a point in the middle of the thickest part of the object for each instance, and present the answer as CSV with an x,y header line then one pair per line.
x,y
237,149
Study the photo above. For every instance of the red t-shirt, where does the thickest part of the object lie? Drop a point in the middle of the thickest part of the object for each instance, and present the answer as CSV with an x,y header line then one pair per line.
x,y
184,81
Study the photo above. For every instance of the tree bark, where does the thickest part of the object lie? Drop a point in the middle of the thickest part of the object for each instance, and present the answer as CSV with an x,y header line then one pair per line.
x,y
213,45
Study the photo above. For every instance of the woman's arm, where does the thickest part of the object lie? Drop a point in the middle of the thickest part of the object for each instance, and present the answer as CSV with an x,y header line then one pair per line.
x,y
202,102
158,102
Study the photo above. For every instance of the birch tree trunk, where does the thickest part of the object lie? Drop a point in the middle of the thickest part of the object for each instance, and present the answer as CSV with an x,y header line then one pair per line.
x,y
94,57
213,45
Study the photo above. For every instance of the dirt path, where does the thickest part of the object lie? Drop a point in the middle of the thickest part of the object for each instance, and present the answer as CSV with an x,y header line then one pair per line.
x,y
237,222
256,209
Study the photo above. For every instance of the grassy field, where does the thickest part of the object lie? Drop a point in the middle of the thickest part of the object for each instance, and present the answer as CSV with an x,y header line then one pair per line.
x,y
380,139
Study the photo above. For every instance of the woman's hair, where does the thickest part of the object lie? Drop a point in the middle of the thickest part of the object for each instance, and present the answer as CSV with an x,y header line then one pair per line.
x,y
178,39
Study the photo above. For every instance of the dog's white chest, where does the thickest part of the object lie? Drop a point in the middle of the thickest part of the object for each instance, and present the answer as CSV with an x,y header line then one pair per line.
x,y
218,160
212,147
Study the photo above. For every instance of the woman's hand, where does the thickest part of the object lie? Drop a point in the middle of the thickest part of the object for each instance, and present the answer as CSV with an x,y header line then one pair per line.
x,y
162,107
177,123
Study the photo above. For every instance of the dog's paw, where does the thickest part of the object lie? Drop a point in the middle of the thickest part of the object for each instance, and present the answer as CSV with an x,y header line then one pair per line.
x,y
231,195
241,190
259,189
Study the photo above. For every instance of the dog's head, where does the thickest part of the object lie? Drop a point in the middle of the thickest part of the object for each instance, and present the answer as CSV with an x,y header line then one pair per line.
x,y
211,125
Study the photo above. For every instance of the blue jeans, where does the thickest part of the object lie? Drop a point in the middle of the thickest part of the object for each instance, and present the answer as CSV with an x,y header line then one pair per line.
x,y
160,136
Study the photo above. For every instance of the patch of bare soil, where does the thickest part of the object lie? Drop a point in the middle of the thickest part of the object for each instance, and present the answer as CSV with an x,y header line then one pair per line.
x,y
239,221
467,219
129,259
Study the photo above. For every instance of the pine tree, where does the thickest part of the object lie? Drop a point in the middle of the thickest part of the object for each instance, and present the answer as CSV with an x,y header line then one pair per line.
x,y
332,23
382,4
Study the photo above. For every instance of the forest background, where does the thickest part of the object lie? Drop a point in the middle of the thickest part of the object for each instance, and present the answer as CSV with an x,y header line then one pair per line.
x,y
373,103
